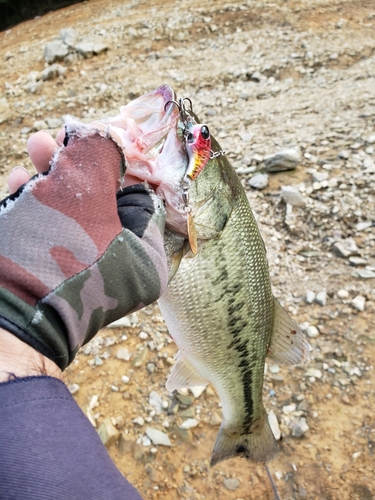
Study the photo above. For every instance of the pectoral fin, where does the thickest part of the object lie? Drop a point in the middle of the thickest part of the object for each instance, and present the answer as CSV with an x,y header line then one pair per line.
x,y
183,375
288,344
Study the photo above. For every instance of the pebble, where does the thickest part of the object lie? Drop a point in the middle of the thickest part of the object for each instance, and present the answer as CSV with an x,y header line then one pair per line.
x,y
89,49
108,432
292,196
73,388
189,423
198,390
156,402
68,36
312,331
274,424
274,368
125,379
359,303
286,159
299,427
357,261
321,298
345,248
313,372
52,72
55,51
343,294
309,297
140,358
124,354
158,437
121,323
231,483
259,181
215,419
138,420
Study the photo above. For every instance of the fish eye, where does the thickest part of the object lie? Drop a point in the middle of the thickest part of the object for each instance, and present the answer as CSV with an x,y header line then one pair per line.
x,y
205,132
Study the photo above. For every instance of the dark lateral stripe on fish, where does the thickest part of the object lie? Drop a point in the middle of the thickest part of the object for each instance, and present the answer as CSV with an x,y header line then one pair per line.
x,y
236,325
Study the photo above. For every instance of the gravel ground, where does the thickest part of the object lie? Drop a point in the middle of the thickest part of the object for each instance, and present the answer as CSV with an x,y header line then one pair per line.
x,y
288,83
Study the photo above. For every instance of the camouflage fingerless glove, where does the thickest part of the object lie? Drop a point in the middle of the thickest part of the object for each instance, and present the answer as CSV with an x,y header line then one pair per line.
x,y
70,263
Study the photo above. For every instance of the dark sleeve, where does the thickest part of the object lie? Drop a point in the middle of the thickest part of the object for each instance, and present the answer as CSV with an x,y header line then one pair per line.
x,y
49,449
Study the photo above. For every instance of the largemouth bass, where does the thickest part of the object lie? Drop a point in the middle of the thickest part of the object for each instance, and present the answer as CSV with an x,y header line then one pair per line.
x,y
219,306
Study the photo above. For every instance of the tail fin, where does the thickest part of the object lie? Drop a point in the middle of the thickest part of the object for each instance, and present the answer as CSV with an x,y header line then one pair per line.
x,y
259,446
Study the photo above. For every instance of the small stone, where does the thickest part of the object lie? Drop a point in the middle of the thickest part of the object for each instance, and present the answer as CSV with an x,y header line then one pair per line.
x,y
343,294
359,303
321,298
309,297
188,413
286,159
121,323
140,358
108,433
274,424
98,361
231,483
198,390
274,368
312,331
287,409
114,388
371,139
292,196
319,176
55,51
124,354
344,154
185,400
299,427
361,226
52,72
138,420
151,367
143,335
313,372
94,401
54,122
68,36
146,441
346,248
156,402
259,181
40,125
365,273
89,49
73,388
189,423
357,261
158,437
125,379
215,419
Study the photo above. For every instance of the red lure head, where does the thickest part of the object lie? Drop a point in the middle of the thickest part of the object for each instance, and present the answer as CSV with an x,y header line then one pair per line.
x,y
198,145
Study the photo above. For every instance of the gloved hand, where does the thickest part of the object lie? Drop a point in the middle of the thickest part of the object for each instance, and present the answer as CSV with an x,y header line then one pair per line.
x,y
69,263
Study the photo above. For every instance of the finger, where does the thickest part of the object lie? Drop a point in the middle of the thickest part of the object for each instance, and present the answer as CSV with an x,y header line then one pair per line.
x,y
41,147
60,137
17,177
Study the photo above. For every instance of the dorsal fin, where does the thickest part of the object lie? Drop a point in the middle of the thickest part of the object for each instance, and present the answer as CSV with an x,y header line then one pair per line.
x,y
288,344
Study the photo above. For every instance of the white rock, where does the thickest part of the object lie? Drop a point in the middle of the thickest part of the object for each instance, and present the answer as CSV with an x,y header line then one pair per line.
x,y
319,176
156,402
309,297
146,441
68,36
125,379
299,427
189,423
259,181
124,354
158,437
343,294
359,303
55,51
120,323
312,331
289,409
274,424
73,388
198,390
321,297
313,372
292,196
286,159
138,420
143,335
94,401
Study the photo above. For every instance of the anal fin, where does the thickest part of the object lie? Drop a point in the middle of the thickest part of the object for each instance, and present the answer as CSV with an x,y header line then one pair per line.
x,y
289,345
183,375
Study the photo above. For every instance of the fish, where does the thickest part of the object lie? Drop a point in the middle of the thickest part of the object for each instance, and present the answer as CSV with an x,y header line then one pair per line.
x,y
218,306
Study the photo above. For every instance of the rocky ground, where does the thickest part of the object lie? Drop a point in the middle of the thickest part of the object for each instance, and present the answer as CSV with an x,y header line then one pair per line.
x,y
266,77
